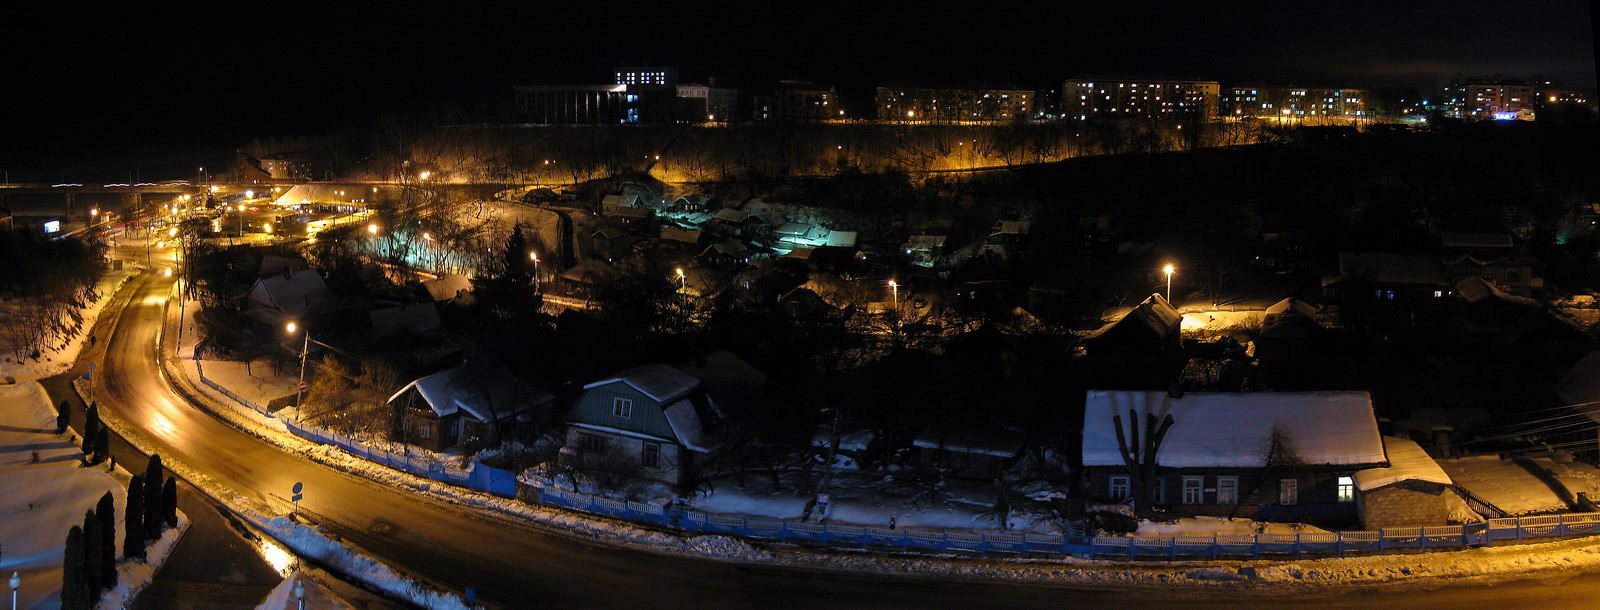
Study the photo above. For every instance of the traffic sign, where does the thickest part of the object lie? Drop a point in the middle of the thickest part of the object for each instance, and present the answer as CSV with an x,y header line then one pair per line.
x,y
302,386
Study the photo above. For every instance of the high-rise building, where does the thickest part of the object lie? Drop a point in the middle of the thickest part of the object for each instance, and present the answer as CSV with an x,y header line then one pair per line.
x,y
1091,98
1297,104
953,106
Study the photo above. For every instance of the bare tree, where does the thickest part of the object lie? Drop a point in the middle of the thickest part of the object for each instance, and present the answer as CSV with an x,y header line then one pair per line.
x,y
1140,457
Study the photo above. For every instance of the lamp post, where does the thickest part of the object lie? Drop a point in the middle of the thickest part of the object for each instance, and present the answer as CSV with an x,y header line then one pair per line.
x,y
535,257
894,289
300,592
16,583
305,345
1168,270
683,285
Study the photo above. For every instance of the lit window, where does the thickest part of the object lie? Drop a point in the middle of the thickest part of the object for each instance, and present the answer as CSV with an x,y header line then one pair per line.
x,y
1347,489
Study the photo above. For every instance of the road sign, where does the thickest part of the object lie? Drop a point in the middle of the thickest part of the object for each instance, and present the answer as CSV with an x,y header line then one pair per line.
x,y
302,386
298,487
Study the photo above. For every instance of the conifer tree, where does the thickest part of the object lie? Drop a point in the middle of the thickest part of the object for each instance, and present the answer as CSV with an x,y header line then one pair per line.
x,y
153,479
106,511
133,520
91,557
102,445
169,501
63,416
72,587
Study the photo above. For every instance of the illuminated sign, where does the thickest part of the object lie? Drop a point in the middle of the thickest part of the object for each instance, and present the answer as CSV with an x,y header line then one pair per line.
x,y
1505,116
53,226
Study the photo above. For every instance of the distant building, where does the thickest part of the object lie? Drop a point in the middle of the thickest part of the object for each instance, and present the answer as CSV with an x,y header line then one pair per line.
x,y
1298,104
597,104
917,105
718,105
647,76
1093,98
798,101
1492,99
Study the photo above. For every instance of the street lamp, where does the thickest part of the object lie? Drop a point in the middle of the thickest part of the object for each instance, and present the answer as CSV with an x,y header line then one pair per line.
x,y
535,257
894,289
16,583
1168,270
305,346
683,283
300,591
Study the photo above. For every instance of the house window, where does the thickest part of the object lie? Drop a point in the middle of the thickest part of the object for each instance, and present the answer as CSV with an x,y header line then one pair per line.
x,y
622,407
590,443
651,457
1158,491
1347,489
1119,487
424,431
1289,492
1194,490
1513,275
1227,490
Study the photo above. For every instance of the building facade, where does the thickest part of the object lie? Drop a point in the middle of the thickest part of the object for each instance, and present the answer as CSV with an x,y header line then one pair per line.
x,y
711,103
798,101
1097,98
1295,104
953,106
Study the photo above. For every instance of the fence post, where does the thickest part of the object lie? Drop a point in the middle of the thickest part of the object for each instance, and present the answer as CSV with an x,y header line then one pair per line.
x,y
1519,530
1338,544
1422,539
1172,547
1297,546
1216,549
1255,546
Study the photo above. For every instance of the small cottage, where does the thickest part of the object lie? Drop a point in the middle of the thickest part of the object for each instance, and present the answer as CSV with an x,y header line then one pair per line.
x,y
652,422
458,406
1411,491
967,453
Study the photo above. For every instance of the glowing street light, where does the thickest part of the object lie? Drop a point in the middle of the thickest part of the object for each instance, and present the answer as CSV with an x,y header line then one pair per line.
x,y
305,344
894,289
1168,270
372,228
424,175
683,283
534,256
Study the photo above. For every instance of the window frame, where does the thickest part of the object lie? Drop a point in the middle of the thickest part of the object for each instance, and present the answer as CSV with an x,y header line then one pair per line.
x,y
1198,489
593,443
1119,480
650,454
1231,484
622,408
1345,488
1289,492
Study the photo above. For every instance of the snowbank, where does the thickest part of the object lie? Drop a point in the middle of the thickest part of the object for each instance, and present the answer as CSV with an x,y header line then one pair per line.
x,y
1523,485
315,595
57,358
309,542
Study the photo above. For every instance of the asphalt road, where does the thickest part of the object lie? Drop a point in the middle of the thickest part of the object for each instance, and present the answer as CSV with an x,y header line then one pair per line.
x,y
515,565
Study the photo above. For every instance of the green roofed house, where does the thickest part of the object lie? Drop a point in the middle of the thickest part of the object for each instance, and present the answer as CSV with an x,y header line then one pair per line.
x,y
652,422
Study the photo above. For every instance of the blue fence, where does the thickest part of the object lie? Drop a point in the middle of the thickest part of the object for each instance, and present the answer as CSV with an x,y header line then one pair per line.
x,y
481,477
1259,546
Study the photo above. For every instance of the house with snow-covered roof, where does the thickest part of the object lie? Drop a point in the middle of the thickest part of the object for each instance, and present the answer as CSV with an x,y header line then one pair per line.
x,y
653,422
1412,491
460,405
1260,454
298,296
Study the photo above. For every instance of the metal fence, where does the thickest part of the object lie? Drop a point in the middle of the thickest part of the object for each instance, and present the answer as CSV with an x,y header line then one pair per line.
x,y
481,477
1259,546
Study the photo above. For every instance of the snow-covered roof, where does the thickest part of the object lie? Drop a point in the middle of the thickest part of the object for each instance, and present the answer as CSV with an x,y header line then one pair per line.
x,y
918,242
686,426
1236,430
1478,290
727,378
660,382
405,319
1521,486
297,294
842,239
687,236
590,272
792,228
731,215
1581,384
1407,462
1392,268
627,200
1154,313
1000,443
1012,227
1474,240
447,287
1294,305
503,398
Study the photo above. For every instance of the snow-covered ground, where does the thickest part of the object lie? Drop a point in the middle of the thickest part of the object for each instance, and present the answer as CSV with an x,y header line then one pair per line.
x,y
1222,526
313,593
57,358
310,542
1514,488
41,500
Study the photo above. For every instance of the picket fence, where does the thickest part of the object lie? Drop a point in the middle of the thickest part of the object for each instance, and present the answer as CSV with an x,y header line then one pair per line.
x,y
1259,546
480,477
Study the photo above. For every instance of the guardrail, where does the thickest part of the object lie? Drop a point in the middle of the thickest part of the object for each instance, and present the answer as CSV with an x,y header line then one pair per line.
x,y
998,544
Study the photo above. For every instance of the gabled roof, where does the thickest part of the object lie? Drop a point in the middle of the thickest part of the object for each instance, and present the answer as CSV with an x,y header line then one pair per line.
x,y
998,443
1392,268
685,236
1237,429
447,287
1012,227
608,233
1154,313
1474,240
405,319
300,293
590,272
1292,305
842,239
621,200
1407,462
792,228
726,248
504,397
660,382
730,215
915,242
1478,290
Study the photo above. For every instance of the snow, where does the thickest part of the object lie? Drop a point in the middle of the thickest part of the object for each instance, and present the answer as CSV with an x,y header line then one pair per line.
x,y
1407,462
315,595
298,294
57,358
1510,485
309,542
686,425
1236,429
851,440
1222,526
41,501
999,443
660,382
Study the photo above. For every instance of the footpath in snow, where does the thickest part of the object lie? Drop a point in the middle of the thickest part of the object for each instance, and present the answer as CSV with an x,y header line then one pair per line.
x,y
45,490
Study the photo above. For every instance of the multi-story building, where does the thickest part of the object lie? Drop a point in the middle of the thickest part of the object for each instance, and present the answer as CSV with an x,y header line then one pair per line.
x,y
719,104
916,105
647,76
1492,98
1090,98
1299,104
798,101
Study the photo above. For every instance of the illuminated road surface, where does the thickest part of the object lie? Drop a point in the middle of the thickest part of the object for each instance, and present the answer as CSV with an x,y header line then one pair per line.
x,y
516,566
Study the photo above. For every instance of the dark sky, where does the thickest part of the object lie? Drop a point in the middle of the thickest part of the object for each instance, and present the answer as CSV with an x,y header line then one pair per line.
x,y
221,73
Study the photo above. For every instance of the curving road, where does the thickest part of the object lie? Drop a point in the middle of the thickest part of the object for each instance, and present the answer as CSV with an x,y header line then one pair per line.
x,y
515,565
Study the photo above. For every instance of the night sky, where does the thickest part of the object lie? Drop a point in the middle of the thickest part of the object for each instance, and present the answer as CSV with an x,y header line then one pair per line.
x,y
213,76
